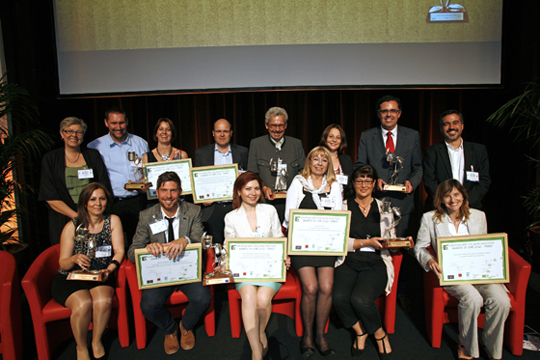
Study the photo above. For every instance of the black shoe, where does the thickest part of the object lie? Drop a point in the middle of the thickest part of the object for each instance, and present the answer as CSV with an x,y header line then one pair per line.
x,y
306,352
327,352
384,355
355,351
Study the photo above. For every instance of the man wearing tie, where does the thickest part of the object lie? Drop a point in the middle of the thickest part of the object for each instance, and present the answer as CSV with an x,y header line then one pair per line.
x,y
374,145
176,224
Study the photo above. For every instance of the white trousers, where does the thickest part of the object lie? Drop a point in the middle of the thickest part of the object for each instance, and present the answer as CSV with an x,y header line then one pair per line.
x,y
497,306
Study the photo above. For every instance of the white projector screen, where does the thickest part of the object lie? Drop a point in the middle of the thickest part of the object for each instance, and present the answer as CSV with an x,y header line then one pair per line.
x,y
145,46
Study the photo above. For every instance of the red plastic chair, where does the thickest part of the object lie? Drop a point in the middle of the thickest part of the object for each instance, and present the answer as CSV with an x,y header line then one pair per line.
x,y
11,345
441,308
286,302
176,303
49,317
387,304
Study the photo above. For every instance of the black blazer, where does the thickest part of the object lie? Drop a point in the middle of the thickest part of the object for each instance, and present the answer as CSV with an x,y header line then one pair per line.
x,y
437,168
204,156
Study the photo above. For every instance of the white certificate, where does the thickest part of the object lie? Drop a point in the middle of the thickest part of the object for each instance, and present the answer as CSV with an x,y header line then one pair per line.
x,y
160,271
318,232
257,259
213,183
180,167
473,259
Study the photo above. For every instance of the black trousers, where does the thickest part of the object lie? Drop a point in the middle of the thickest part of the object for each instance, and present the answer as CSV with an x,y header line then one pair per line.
x,y
357,284
153,305
128,210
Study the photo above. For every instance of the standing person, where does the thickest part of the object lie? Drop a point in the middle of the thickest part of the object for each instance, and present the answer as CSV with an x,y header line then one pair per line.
x,y
454,158
275,147
453,217
251,219
404,142
315,188
334,139
222,152
65,172
114,148
367,272
90,301
164,134
184,227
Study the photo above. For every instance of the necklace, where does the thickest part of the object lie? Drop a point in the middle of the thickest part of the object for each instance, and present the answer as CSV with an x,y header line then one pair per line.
x,y
73,162
165,157
364,208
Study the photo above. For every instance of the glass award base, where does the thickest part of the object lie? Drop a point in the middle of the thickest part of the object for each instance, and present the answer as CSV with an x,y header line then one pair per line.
x,y
137,186
396,187
280,195
217,277
85,275
397,243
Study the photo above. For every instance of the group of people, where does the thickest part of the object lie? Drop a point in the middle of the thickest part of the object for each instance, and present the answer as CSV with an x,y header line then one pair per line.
x,y
85,190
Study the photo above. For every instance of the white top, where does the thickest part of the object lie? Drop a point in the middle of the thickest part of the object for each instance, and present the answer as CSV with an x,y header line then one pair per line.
x,y
394,136
237,223
457,161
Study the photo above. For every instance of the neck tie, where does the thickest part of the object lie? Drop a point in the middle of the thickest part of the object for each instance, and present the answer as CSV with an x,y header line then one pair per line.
x,y
389,142
171,230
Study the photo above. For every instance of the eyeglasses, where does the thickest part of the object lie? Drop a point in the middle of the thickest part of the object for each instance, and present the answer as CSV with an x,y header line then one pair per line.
x,y
363,182
276,126
71,132
391,111
319,160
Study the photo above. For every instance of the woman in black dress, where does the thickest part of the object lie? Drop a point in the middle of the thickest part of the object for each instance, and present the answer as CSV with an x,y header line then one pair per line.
x,y
90,301
315,188
367,271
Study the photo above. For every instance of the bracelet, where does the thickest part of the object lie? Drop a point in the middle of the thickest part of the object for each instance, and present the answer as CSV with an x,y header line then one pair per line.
x,y
115,263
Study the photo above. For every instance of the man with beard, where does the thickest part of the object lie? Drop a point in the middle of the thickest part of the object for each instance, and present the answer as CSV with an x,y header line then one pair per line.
x,y
467,162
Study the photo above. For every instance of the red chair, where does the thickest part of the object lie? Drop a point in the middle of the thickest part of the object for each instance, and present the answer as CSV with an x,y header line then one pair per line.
x,y
49,317
286,302
441,308
177,303
387,304
11,345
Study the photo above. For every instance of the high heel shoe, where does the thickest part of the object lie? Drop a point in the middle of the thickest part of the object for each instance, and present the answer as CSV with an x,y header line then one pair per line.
x,y
384,355
325,353
355,351
307,351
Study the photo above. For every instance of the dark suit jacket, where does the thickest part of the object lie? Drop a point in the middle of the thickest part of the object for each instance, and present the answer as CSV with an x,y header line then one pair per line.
x,y
53,184
190,225
372,151
204,156
437,168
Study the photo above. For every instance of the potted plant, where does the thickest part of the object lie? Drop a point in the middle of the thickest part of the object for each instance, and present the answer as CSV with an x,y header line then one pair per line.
x,y
17,147
522,115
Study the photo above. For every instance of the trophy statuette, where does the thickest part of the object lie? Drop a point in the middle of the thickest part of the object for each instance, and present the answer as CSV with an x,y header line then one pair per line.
x,y
280,170
138,184
397,163
390,240
218,276
90,242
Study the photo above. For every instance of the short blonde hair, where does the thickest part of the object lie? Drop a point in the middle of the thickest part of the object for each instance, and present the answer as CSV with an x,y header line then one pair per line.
x,y
320,150
72,120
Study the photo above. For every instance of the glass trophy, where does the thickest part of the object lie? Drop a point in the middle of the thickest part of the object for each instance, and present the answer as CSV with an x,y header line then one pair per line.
x,y
136,165
397,163
218,275
279,169
391,241
88,242
447,12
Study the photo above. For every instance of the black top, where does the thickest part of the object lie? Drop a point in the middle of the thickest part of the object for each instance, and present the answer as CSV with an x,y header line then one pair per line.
x,y
151,157
362,226
308,203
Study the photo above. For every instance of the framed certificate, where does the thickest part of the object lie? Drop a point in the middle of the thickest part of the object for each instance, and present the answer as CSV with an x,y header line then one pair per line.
x,y
161,271
181,167
318,232
257,259
473,259
213,183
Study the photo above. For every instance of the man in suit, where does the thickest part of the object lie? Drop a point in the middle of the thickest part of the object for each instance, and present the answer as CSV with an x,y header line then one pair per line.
x,y
222,152
465,161
276,147
403,142
176,224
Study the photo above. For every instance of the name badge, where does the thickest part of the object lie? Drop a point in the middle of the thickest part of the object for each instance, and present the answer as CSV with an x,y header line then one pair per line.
x,y
342,179
328,202
103,251
85,174
158,226
473,176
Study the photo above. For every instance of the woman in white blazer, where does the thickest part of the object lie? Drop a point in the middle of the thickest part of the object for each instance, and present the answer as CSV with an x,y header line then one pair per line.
x,y
453,217
250,218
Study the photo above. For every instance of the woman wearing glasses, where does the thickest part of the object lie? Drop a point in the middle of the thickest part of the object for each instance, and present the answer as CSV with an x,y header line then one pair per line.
x,y
367,271
65,172
315,188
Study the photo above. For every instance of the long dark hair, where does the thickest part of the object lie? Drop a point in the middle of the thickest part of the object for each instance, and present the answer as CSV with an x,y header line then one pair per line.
x,y
239,184
444,188
84,197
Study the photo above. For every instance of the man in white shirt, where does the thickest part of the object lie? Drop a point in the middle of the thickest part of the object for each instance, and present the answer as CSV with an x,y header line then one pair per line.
x,y
465,161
